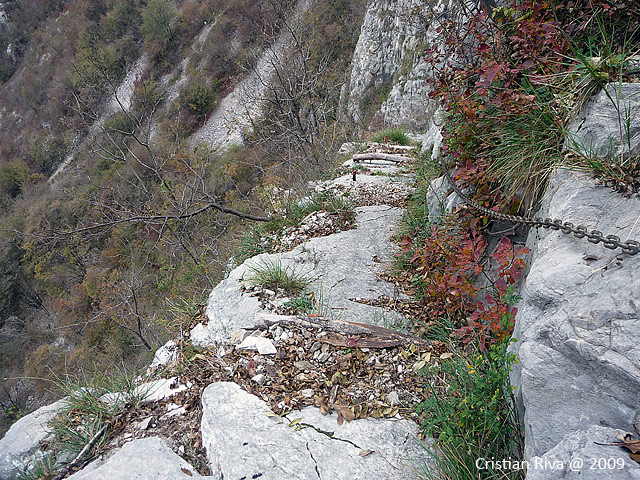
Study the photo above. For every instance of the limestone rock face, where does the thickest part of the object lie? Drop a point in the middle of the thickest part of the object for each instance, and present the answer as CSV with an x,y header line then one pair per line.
x,y
388,64
577,325
578,457
142,459
609,123
243,442
21,441
341,266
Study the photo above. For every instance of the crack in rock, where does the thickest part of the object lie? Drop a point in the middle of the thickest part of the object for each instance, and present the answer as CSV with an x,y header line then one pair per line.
x,y
331,435
315,463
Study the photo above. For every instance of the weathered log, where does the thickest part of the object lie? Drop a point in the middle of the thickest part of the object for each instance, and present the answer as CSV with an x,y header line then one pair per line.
x,y
265,320
360,157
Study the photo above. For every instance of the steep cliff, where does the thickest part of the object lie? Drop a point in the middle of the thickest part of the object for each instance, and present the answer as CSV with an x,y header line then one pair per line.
x,y
578,343
388,81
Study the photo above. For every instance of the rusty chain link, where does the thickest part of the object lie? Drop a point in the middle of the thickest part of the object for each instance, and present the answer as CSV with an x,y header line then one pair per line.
x,y
630,247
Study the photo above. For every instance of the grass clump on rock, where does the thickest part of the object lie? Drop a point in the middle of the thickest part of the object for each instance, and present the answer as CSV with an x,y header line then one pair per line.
x,y
279,278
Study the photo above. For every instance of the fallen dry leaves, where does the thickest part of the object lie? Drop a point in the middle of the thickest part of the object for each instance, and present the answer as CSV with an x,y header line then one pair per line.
x,y
626,440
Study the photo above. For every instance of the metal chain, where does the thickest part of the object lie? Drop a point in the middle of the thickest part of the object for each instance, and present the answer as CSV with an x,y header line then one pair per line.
x,y
630,247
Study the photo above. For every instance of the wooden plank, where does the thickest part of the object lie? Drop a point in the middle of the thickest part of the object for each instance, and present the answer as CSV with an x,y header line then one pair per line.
x,y
342,341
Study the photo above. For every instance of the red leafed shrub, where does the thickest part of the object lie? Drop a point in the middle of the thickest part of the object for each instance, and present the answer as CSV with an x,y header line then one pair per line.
x,y
492,317
506,79
446,268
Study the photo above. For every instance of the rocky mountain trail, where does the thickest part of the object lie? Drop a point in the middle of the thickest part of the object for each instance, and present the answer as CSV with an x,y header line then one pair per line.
x,y
338,267
327,393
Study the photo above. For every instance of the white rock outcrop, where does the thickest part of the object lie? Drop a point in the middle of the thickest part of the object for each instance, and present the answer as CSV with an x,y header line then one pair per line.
x,y
577,325
609,123
578,457
142,459
577,329
388,63
21,442
341,266
243,442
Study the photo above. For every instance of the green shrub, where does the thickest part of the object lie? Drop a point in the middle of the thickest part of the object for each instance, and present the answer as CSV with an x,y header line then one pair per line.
x,y
198,96
392,135
147,95
119,122
47,152
158,17
12,177
472,415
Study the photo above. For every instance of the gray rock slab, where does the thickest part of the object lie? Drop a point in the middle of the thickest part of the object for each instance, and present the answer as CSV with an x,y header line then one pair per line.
x,y
578,324
439,199
609,123
386,168
20,443
341,266
243,442
142,459
347,180
577,456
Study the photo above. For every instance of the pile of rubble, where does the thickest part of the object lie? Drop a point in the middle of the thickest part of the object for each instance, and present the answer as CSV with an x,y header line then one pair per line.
x,y
369,190
316,224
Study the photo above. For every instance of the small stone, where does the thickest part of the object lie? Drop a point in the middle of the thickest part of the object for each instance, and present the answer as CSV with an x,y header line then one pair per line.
x,y
323,357
144,424
181,450
278,332
264,346
166,354
271,293
307,392
173,410
393,398
259,379
238,336
303,365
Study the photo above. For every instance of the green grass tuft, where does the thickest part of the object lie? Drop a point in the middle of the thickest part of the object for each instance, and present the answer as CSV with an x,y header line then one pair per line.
x,y
281,279
473,416
392,135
